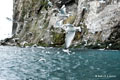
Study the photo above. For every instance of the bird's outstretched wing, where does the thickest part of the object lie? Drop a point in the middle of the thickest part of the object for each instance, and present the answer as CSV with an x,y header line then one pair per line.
x,y
63,10
50,3
59,23
68,38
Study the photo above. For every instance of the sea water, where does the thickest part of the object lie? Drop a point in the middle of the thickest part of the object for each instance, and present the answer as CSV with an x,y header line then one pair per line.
x,y
55,64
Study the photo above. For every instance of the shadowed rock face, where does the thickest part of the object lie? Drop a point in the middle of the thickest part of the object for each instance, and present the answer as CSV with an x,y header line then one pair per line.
x,y
97,20
114,38
116,33
59,3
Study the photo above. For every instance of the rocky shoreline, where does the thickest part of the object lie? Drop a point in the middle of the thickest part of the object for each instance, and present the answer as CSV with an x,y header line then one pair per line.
x,y
108,45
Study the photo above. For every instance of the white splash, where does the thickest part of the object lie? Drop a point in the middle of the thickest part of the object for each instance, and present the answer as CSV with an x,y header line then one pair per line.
x,y
41,47
42,59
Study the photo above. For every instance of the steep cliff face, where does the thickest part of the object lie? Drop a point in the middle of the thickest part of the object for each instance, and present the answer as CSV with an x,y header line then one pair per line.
x,y
35,22
100,18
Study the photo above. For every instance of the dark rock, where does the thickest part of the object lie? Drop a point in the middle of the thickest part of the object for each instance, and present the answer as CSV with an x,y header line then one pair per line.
x,y
59,3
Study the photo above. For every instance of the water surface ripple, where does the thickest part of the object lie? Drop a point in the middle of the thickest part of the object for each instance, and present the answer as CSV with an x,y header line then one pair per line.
x,y
54,64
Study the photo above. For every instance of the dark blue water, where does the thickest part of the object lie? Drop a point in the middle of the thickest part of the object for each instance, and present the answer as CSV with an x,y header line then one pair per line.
x,y
54,64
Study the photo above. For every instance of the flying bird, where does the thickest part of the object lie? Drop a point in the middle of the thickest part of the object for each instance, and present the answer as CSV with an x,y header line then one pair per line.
x,y
63,10
50,3
70,34
59,23
63,13
102,1
70,29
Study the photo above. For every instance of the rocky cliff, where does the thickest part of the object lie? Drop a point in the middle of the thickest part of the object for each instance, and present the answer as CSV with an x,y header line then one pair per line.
x,y
99,20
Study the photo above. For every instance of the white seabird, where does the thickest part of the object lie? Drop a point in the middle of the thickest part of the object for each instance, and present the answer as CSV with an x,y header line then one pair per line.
x,y
70,34
50,3
9,19
62,12
59,23
70,31
67,51
102,1
69,28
